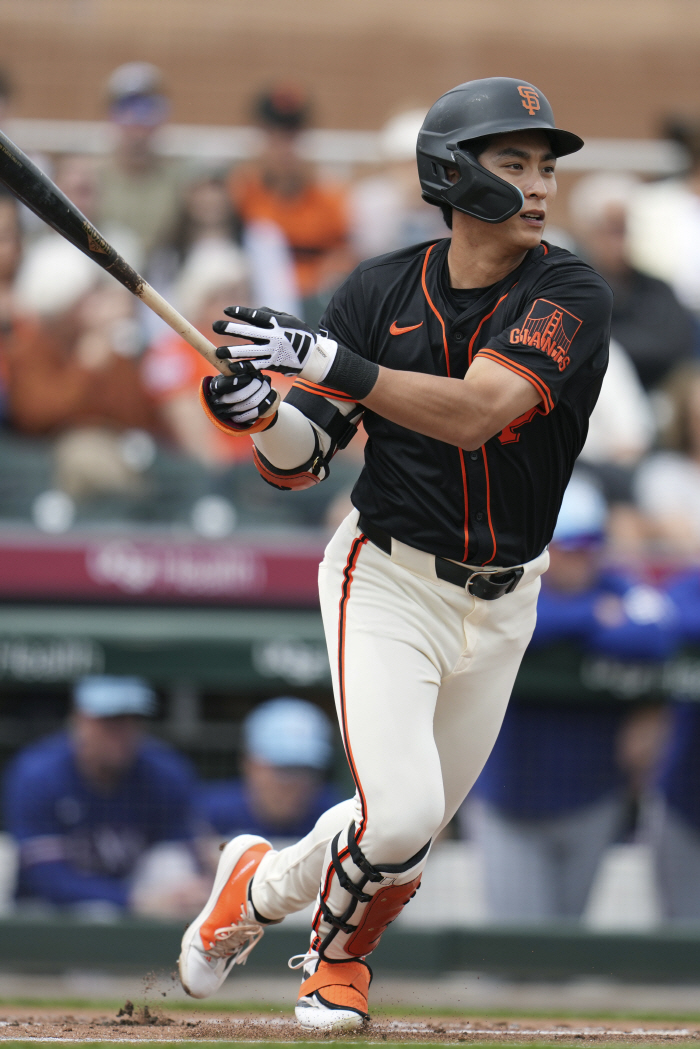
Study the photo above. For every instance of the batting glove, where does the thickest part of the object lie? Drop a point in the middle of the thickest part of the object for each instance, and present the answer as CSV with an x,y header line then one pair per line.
x,y
239,401
281,343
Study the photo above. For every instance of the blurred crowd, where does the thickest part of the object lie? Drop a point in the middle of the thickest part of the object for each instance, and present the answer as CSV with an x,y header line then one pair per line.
x,y
117,432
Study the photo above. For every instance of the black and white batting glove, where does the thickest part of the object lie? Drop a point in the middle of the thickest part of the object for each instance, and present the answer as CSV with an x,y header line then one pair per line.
x,y
239,401
281,343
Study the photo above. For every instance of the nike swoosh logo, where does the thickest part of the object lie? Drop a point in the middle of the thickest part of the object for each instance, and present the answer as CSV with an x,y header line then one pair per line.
x,y
394,330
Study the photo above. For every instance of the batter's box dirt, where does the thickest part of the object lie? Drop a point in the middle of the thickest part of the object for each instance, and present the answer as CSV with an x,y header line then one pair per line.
x,y
149,1024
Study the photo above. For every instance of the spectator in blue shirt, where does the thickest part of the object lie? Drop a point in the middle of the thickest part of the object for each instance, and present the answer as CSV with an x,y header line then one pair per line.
x,y
287,746
88,806
673,809
551,797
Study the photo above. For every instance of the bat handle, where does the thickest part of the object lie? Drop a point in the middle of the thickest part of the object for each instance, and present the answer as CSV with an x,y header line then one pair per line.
x,y
183,327
189,333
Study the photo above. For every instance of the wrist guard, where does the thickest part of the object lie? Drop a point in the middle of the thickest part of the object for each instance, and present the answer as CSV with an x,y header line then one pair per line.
x,y
352,374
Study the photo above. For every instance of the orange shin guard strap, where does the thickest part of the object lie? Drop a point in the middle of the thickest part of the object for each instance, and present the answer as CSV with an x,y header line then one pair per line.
x,y
345,984
383,908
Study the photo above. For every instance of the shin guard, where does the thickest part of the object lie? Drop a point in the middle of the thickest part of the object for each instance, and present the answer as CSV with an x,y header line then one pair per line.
x,y
358,900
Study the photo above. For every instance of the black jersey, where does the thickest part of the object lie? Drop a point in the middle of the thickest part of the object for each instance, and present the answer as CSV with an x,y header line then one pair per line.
x,y
547,321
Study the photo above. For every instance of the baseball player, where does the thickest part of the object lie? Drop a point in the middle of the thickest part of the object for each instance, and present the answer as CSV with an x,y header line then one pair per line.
x,y
475,363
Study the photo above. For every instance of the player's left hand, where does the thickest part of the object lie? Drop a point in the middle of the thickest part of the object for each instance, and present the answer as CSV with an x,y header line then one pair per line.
x,y
281,343
241,400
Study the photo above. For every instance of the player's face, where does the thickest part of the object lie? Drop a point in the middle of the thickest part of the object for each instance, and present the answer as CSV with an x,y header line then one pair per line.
x,y
524,158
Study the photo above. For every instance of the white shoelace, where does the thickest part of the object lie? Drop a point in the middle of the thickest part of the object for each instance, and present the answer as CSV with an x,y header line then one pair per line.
x,y
299,961
237,939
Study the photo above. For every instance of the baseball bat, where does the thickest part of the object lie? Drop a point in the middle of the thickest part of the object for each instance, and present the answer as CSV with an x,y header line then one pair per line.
x,y
30,185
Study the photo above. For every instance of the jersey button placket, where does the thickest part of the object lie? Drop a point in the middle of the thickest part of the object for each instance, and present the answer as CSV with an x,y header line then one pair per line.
x,y
479,547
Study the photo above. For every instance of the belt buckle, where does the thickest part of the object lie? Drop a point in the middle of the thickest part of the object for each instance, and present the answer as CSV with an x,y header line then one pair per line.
x,y
479,583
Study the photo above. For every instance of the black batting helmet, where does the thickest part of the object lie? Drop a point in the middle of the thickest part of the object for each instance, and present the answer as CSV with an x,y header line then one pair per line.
x,y
473,110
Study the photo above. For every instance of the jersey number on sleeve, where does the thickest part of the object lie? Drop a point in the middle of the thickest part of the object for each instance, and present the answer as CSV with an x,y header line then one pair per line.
x,y
508,434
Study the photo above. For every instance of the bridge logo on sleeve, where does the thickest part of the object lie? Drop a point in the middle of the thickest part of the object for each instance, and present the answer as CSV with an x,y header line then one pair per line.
x,y
549,328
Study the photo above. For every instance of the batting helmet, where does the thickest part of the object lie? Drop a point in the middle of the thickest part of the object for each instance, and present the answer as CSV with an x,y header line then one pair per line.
x,y
481,107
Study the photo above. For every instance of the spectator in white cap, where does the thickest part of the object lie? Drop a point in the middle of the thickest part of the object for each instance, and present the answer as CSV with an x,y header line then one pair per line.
x,y
138,189
287,749
386,209
97,808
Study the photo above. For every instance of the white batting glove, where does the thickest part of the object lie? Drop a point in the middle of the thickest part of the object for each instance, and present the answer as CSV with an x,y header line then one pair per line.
x,y
281,343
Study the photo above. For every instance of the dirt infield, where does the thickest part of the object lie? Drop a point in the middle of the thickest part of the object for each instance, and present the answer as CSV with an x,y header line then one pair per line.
x,y
156,1024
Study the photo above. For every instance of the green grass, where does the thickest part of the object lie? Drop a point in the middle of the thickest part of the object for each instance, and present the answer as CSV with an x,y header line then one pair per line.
x,y
167,1005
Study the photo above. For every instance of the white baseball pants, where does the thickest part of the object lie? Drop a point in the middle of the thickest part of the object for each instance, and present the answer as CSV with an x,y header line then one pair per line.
x,y
422,674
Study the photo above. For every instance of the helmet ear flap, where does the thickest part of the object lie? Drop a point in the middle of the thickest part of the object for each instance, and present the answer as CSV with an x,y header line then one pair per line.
x,y
480,193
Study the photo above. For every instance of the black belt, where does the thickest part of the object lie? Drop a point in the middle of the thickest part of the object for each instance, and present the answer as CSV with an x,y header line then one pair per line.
x,y
487,585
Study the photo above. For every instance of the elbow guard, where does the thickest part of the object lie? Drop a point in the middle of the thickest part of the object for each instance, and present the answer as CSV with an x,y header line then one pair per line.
x,y
312,472
324,416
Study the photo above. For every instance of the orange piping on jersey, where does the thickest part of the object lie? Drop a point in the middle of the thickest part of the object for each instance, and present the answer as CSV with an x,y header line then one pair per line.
x,y
437,314
486,468
545,249
523,372
342,621
466,502
483,449
449,375
324,391
473,338
488,504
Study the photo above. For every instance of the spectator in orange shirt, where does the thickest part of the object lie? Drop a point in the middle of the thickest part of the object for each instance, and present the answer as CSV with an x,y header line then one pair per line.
x,y
282,188
214,276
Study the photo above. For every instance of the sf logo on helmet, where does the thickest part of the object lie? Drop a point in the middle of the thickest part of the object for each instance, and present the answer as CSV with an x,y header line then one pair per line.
x,y
531,100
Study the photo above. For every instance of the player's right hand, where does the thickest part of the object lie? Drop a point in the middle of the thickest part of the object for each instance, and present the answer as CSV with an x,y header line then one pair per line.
x,y
280,343
239,401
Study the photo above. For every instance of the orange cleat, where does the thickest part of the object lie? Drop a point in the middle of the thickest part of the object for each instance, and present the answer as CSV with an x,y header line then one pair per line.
x,y
333,994
227,929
